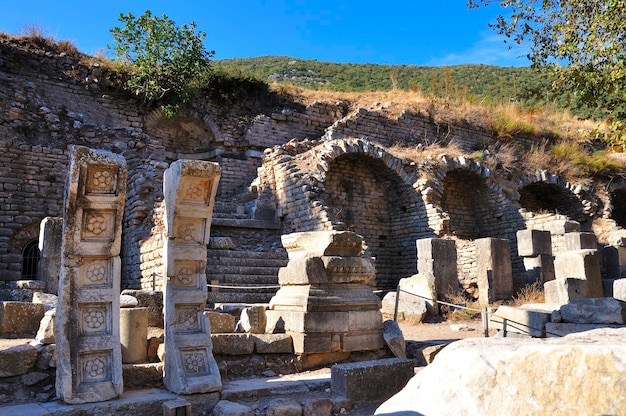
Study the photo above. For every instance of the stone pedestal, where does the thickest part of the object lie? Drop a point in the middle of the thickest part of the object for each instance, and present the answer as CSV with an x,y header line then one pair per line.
x,y
494,272
581,264
89,362
325,302
49,266
134,335
562,291
189,187
535,248
580,241
437,257
532,243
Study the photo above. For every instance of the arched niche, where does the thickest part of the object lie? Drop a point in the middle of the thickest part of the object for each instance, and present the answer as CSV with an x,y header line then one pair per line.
x,y
542,197
371,199
471,204
618,200
30,260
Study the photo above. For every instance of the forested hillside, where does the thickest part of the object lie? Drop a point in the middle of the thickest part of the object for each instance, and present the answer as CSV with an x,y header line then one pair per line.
x,y
476,83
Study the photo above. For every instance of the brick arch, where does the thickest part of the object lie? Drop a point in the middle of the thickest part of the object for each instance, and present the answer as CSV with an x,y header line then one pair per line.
x,y
363,188
188,132
336,148
545,192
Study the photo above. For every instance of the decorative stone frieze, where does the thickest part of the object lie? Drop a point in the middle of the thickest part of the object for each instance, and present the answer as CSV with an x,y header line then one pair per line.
x,y
189,187
89,363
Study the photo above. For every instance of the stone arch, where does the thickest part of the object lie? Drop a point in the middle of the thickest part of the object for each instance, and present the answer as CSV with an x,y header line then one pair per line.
x,y
186,133
556,197
471,205
367,191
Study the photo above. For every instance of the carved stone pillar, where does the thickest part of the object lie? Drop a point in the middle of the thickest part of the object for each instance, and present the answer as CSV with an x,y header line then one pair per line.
x,y
189,187
89,363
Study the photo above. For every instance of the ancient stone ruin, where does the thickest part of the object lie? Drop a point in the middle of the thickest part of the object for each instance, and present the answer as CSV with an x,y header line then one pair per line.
x,y
268,232
88,354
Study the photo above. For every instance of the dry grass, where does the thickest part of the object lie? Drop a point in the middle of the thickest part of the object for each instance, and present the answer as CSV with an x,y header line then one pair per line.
x,y
422,152
532,293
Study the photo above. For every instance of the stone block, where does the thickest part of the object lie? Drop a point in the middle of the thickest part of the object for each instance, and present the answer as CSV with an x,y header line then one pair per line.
x,y
47,356
594,311
253,319
228,408
533,243
494,271
45,334
371,381
619,289
392,334
220,322
47,299
580,241
411,309
562,291
142,375
581,264
615,261
522,321
20,317
232,344
284,407
561,329
322,243
438,257
539,268
423,286
17,360
273,344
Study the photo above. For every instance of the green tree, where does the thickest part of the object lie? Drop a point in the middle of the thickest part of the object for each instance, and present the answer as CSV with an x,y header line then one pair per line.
x,y
166,63
580,44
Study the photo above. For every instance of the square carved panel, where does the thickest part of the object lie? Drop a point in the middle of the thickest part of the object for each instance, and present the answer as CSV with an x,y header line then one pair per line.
x,y
98,225
101,180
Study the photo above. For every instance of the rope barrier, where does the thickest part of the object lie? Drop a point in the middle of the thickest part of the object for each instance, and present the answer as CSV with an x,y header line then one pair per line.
x,y
483,311
244,287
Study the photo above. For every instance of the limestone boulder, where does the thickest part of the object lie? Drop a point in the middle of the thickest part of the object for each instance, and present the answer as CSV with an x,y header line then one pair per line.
x,y
411,309
45,335
594,311
17,360
20,317
521,375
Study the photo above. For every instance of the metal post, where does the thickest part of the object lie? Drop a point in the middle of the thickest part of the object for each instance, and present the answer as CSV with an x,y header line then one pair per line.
x,y
395,309
153,281
485,318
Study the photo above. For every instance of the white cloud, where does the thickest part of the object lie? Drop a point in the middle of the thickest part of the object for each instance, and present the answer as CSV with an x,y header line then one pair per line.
x,y
489,50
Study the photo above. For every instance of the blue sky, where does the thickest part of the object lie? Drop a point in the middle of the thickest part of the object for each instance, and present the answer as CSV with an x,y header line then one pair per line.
x,y
418,32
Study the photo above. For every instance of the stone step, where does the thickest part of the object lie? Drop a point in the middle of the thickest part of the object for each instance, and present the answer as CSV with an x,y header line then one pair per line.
x,y
249,279
274,263
248,254
294,383
245,223
240,297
